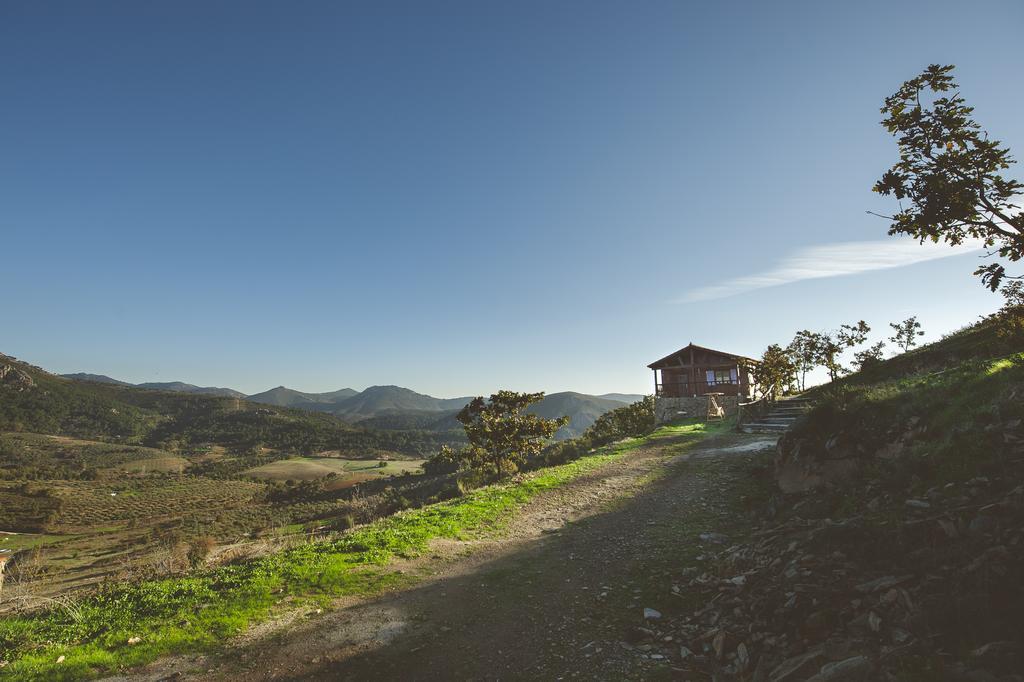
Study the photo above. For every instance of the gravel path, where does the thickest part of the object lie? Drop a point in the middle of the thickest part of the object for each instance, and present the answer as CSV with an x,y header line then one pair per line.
x,y
554,598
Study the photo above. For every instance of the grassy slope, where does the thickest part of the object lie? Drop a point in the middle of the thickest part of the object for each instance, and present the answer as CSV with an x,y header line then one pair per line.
x,y
945,406
202,610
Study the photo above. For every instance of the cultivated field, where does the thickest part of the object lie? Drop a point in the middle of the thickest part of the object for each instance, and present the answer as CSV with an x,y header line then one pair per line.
x,y
348,470
77,512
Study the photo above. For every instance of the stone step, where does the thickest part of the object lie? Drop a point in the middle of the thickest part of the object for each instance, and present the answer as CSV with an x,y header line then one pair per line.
x,y
764,427
775,419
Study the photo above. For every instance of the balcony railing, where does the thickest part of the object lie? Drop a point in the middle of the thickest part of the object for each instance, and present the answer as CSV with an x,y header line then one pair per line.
x,y
683,389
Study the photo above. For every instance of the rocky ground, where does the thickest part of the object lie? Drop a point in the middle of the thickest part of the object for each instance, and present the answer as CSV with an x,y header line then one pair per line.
x,y
932,594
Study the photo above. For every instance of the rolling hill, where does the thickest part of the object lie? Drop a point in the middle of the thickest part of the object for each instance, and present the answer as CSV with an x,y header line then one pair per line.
x,y
394,408
97,378
287,397
628,398
383,400
175,386
181,387
33,400
582,410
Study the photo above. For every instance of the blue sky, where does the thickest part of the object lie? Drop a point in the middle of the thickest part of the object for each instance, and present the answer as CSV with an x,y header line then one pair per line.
x,y
462,197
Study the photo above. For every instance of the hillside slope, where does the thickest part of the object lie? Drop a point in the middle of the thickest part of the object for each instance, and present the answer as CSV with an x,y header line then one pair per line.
x,y
896,549
627,398
380,400
98,378
174,386
182,387
33,400
582,410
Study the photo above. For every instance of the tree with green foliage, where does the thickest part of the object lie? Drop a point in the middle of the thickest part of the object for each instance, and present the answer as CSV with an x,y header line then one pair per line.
x,y
775,372
832,345
906,333
630,421
803,349
850,335
446,461
1010,318
501,434
829,352
1013,295
949,173
869,356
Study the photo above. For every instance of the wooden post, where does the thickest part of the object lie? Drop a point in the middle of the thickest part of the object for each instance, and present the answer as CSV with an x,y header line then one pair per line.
x,y
692,372
4,558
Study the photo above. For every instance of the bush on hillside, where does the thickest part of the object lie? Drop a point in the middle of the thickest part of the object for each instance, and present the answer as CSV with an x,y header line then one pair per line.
x,y
631,421
502,435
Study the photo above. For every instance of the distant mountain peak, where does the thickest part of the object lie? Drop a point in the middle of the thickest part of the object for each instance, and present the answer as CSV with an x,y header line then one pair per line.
x,y
182,387
282,396
95,378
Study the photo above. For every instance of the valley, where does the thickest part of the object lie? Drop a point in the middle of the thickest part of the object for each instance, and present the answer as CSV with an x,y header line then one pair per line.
x,y
101,480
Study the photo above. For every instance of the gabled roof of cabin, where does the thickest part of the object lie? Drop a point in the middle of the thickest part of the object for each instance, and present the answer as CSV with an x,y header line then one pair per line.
x,y
657,364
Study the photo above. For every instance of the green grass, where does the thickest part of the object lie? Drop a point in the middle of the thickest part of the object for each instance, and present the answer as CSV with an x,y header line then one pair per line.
x,y
200,611
25,541
946,409
693,427
951,408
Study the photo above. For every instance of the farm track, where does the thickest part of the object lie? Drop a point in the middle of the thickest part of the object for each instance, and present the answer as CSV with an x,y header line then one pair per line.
x,y
549,598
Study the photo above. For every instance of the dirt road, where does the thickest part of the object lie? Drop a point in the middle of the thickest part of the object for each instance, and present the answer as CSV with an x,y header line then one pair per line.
x,y
557,597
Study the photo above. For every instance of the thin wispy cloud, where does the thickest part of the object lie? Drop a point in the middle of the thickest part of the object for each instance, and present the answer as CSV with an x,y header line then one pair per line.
x,y
833,260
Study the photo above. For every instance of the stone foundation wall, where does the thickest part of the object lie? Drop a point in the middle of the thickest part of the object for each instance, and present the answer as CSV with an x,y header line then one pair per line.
x,y
668,409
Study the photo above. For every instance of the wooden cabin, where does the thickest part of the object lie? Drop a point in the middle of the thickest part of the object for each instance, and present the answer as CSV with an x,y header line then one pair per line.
x,y
696,371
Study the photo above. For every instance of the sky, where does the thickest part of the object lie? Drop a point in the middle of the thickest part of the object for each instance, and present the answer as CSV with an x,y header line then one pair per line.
x,y
460,197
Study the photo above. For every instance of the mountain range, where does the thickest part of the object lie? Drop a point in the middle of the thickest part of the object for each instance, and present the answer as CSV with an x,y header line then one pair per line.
x,y
176,386
395,407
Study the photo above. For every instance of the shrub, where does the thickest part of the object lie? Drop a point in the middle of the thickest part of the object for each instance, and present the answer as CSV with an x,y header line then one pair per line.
x,y
200,548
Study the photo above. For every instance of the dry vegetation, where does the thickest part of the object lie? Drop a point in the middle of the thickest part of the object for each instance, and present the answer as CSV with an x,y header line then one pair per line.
x,y
137,511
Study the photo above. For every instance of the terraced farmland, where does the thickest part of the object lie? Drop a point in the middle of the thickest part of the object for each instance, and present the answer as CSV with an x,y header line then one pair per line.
x,y
82,512
93,503
46,456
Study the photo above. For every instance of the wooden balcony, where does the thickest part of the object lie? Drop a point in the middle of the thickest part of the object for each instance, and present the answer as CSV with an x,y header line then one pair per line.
x,y
689,389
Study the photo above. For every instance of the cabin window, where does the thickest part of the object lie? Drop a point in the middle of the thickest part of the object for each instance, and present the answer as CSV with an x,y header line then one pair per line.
x,y
722,376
